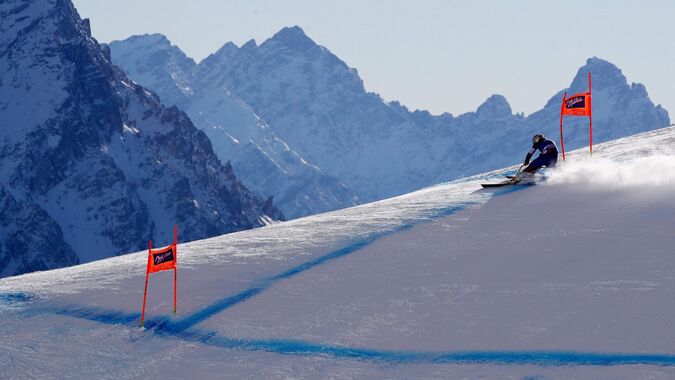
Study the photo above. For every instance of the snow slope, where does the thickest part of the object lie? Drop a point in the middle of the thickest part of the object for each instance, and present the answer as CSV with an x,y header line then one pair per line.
x,y
572,278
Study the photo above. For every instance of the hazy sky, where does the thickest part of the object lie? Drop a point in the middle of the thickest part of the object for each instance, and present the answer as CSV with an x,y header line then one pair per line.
x,y
438,55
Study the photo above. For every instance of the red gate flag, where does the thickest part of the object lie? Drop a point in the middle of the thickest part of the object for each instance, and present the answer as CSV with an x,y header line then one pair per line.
x,y
162,259
578,105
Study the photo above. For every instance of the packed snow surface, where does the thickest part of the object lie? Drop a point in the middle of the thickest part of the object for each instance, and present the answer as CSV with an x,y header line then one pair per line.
x,y
571,278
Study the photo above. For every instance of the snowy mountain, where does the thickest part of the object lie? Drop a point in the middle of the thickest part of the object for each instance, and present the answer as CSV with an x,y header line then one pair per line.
x,y
151,61
263,161
317,104
570,279
91,164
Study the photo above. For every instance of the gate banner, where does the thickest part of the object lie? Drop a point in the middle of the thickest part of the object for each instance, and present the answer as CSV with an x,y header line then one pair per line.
x,y
162,259
577,105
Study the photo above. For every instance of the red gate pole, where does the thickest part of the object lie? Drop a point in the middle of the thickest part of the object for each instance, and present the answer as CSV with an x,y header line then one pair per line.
x,y
590,114
145,292
590,121
175,268
562,141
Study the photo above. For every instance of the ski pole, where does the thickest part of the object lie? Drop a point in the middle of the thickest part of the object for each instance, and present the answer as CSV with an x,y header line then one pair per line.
x,y
520,168
515,176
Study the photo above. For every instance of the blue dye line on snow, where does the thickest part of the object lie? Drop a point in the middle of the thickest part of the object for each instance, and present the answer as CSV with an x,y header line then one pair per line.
x,y
96,314
260,286
156,327
15,298
264,284
538,358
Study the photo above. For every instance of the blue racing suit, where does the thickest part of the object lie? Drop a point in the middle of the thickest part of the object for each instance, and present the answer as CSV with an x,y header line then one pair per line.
x,y
548,156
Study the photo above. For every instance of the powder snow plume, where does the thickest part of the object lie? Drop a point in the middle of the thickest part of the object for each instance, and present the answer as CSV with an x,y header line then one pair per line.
x,y
654,171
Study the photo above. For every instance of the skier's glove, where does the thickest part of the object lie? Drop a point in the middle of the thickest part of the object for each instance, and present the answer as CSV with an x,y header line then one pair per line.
x,y
527,162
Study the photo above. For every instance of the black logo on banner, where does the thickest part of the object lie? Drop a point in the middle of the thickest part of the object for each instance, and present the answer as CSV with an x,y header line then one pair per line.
x,y
162,257
576,102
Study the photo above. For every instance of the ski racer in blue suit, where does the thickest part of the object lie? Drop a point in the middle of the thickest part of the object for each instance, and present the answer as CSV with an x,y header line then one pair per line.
x,y
547,158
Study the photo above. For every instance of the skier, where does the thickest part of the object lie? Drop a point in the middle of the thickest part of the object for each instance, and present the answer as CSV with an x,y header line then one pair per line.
x,y
548,156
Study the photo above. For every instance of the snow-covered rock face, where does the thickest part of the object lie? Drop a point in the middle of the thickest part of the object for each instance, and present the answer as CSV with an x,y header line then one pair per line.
x,y
91,164
316,104
263,161
494,107
159,60
26,227
319,106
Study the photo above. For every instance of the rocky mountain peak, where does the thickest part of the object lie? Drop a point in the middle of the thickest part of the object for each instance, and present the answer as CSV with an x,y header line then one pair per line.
x,y
495,106
156,59
605,75
293,38
157,46
153,40
291,34
249,45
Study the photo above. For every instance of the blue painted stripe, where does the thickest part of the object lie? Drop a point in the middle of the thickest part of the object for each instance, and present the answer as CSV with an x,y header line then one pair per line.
x,y
157,327
261,285
537,358
264,284
101,315
15,298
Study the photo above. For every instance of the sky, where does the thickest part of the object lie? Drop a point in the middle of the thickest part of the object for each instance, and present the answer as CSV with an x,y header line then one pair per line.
x,y
437,55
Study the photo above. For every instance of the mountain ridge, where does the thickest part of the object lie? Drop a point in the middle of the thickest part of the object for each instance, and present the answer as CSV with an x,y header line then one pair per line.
x,y
318,105
263,160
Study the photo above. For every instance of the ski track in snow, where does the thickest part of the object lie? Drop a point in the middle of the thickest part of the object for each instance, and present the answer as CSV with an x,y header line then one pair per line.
x,y
15,300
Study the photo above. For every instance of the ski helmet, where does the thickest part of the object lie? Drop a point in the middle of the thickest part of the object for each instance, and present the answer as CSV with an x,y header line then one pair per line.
x,y
536,138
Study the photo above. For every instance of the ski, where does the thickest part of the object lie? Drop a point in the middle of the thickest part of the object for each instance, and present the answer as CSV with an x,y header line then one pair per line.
x,y
498,184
